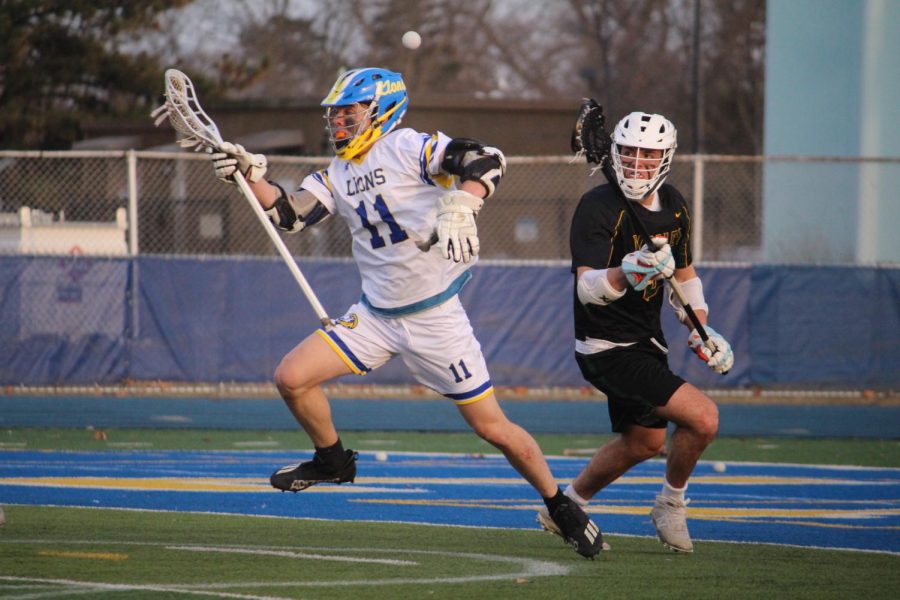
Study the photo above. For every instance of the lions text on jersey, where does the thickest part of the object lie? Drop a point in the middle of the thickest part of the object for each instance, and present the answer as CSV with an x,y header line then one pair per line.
x,y
389,201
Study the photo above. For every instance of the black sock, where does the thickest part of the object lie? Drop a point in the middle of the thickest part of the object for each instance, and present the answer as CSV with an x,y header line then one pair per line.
x,y
556,500
333,455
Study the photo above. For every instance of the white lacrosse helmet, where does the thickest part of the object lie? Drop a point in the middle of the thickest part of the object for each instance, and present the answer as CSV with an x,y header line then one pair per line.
x,y
643,131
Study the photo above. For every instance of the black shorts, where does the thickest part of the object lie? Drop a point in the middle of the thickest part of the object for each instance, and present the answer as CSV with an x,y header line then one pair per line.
x,y
636,379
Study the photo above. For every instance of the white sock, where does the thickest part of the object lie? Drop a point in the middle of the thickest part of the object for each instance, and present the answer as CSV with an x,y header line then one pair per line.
x,y
572,494
669,491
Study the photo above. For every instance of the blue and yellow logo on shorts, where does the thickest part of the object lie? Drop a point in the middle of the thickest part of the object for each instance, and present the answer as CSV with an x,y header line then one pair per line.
x,y
349,321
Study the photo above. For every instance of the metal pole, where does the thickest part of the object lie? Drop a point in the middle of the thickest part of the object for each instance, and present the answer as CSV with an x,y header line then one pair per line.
x,y
697,221
696,76
131,158
697,227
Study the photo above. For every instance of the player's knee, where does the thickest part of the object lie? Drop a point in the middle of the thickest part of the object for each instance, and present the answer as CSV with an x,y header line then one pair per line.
x,y
489,432
708,424
288,381
645,449
496,433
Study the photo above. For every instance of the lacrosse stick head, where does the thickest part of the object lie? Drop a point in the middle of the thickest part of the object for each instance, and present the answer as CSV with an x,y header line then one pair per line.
x,y
589,137
182,108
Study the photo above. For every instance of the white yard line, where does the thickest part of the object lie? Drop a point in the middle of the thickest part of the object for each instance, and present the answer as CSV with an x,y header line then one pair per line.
x,y
292,554
522,568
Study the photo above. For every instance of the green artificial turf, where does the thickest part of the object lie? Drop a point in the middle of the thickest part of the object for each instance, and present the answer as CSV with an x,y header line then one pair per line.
x,y
74,552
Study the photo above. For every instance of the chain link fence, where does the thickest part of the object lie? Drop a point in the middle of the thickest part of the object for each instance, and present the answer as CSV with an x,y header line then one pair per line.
x,y
143,202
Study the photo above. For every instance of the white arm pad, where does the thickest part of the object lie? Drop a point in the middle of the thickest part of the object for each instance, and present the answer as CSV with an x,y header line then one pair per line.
x,y
594,288
693,293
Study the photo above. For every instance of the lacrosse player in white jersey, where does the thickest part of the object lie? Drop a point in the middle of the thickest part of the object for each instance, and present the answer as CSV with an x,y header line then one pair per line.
x,y
398,191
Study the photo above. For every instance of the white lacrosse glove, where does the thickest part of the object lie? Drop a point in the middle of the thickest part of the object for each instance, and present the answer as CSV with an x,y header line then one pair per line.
x,y
232,157
722,359
645,265
456,230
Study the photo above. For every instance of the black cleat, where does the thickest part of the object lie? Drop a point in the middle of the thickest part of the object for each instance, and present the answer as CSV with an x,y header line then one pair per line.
x,y
297,477
577,529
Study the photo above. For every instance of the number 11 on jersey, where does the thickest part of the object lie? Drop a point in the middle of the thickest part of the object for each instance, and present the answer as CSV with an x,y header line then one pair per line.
x,y
462,370
397,233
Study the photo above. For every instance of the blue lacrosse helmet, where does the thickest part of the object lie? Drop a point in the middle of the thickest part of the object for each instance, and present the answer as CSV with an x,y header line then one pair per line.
x,y
384,95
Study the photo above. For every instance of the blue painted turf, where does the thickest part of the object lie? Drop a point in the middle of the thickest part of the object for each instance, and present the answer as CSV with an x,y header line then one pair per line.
x,y
817,506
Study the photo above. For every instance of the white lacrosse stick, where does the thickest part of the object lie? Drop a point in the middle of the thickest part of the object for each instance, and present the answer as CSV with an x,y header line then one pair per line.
x,y
196,130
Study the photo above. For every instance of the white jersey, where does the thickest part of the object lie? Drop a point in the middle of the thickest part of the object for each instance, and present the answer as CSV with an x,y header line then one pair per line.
x,y
389,201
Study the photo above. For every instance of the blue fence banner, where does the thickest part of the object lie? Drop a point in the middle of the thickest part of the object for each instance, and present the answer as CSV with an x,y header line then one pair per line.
x,y
86,320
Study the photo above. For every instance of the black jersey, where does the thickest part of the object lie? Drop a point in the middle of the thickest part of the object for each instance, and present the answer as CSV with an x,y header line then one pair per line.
x,y
602,234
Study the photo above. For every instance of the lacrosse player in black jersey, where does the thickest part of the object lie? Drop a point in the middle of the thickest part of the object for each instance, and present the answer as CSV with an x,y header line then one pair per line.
x,y
619,343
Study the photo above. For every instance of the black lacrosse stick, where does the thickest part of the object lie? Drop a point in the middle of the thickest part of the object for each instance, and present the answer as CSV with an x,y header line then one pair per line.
x,y
589,136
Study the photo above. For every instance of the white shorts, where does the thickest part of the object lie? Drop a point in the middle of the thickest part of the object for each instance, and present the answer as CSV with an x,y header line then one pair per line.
x,y
437,345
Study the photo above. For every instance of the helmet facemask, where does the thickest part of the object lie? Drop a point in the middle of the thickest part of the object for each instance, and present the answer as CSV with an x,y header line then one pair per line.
x,y
642,152
345,124
640,170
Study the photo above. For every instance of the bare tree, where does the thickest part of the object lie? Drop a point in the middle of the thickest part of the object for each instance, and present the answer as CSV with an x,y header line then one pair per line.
x,y
735,77
639,55
454,39
635,55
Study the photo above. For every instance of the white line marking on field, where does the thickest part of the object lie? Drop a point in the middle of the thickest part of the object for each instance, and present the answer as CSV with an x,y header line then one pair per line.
x,y
194,484
80,587
17,586
56,592
257,444
423,523
523,568
130,444
288,554
529,568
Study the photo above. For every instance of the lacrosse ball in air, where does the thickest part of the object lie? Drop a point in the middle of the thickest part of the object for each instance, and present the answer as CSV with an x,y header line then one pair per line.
x,y
411,40
381,456
719,467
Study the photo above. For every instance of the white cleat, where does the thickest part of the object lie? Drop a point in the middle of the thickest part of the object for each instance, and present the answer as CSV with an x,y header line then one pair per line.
x,y
670,518
547,524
